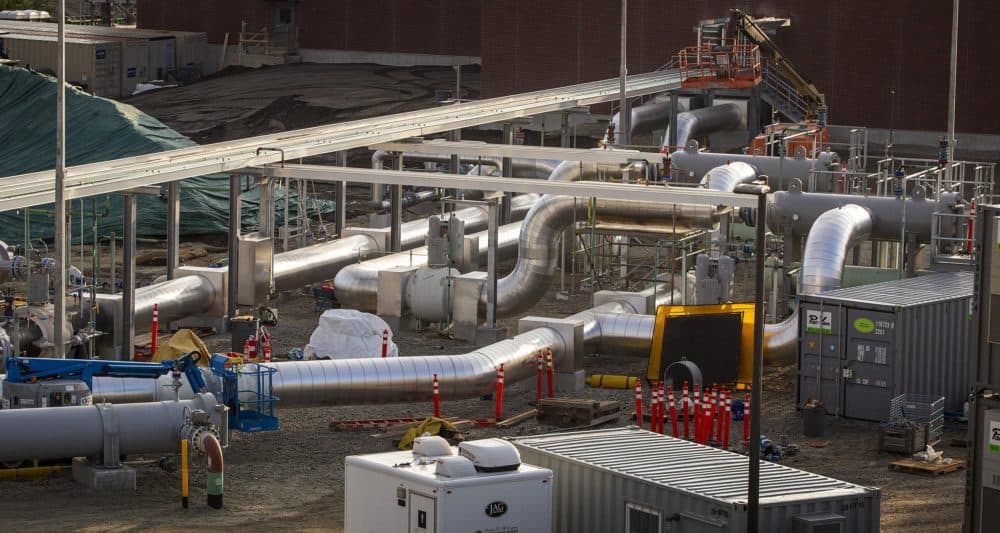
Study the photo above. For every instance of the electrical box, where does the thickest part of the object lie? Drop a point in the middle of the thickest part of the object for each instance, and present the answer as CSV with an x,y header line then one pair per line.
x,y
436,488
256,257
55,393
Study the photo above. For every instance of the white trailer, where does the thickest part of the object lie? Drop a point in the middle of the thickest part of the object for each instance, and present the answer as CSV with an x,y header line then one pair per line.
x,y
479,486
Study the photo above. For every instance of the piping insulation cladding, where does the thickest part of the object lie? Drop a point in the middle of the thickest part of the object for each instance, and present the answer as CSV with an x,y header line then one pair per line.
x,y
48,433
832,236
700,122
194,295
410,379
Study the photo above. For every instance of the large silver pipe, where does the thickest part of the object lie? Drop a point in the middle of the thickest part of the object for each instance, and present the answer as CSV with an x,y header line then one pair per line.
x,y
832,236
648,117
49,433
357,284
548,219
727,177
700,122
298,268
693,165
801,210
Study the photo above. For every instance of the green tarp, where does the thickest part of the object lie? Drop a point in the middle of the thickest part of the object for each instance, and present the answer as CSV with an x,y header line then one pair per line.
x,y
100,130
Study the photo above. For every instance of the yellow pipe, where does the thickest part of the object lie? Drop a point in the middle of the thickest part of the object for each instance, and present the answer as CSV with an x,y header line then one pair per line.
x,y
608,381
184,473
33,472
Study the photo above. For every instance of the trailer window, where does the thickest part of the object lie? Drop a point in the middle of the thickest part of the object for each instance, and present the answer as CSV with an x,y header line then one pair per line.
x,y
640,519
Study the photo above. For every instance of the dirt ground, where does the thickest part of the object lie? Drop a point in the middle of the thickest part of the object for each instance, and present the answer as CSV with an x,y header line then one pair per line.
x,y
292,479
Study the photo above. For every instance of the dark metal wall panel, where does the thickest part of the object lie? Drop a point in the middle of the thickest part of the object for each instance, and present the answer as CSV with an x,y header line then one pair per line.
x,y
856,52
449,27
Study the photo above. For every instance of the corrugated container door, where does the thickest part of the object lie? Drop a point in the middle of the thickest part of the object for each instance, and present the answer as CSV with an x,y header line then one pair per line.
x,y
820,354
871,352
135,65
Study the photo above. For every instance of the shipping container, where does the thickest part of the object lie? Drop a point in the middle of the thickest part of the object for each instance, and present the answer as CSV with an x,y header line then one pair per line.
x,y
632,480
859,347
146,54
480,485
90,63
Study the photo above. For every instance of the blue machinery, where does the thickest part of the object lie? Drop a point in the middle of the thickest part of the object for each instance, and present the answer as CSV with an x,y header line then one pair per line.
x,y
246,387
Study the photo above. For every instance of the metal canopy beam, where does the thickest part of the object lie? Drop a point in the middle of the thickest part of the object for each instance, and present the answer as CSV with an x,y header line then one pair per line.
x,y
473,149
19,192
584,189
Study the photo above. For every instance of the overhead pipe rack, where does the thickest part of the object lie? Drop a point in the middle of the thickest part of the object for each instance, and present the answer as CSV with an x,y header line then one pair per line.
x,y
38,188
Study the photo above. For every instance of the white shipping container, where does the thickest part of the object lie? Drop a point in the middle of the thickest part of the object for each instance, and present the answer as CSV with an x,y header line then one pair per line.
x,y
95,64
449,491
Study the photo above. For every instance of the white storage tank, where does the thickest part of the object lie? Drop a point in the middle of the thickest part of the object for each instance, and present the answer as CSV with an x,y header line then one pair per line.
x,y
632,480
479,485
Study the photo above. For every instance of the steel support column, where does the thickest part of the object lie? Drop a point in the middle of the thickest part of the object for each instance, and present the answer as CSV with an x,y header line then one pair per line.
x,y
491,265
340,216
173,227
672,130
234,242
128,277
507,171
61,244
396,206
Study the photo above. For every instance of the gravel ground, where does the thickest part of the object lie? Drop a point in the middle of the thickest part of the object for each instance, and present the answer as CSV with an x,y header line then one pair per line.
x,y
293,479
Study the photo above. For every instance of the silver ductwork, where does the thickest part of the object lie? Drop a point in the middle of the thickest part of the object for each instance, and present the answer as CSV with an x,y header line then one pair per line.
x,y
801,210
830,239
700,122
357,284
650,116
548,219
49,433
409,379
832,236
727,177
691,165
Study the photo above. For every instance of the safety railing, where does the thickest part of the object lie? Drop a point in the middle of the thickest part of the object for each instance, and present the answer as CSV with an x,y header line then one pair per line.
x,y
733,66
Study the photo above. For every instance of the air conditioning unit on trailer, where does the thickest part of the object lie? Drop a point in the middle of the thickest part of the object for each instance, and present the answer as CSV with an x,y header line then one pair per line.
x,y
479,485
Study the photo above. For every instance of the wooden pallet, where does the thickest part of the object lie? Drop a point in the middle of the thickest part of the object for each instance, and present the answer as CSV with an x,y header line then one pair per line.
x,y
570,412
919,467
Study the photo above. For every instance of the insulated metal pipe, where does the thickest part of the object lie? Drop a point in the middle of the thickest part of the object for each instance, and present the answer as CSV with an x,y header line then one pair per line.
x,y
48,433
700,122
833,234
357,284
802,210
652,115
726,177
693,164
538,251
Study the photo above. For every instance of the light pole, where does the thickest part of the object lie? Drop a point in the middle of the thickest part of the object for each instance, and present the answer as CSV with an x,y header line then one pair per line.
x,y
59,302
624,109
753,484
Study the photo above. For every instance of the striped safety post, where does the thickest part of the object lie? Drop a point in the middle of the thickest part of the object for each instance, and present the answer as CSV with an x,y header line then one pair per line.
x,y
385,343
661,401
720,429
685,406
437,398
499,403
551,371
746,420
654,409
538,385
699,422
663,409
713,400
672,404
638,403
728,421
154,329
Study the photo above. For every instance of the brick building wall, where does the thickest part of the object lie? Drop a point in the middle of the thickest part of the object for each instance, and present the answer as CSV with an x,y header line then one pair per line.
x,y
855,51
445,27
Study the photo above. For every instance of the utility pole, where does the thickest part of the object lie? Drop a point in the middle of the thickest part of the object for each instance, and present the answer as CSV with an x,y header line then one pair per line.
x,y
624,109
59,336
952,90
